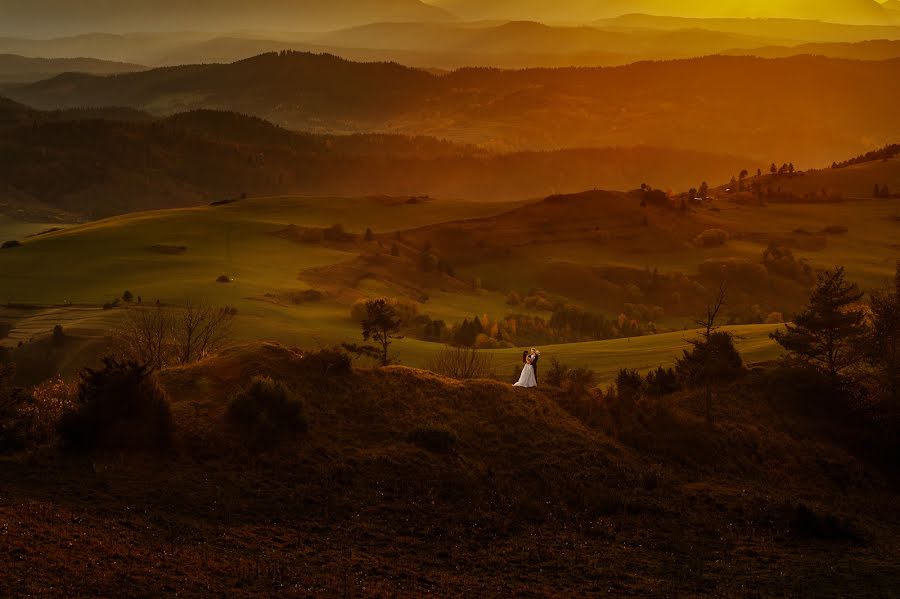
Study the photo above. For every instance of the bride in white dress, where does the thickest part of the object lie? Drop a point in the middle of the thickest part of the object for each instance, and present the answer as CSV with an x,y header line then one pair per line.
x,y
527,379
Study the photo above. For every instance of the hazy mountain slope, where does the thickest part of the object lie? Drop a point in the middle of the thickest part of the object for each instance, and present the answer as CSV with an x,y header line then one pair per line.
x,y
796,29
41,18
804,110
870,50
19,69
532,37
848,11
92,167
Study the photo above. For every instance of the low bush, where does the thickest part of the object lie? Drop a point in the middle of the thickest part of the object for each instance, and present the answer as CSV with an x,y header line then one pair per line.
x,y
119,407
223,279
264,414
806,523
662,381
556,374
306,296
328,362
433,439
461,363
577,381
629,384
711,238
8,245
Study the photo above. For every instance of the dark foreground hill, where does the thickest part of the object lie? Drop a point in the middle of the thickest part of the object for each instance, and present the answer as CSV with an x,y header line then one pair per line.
x,y
100,162
805,109
408,484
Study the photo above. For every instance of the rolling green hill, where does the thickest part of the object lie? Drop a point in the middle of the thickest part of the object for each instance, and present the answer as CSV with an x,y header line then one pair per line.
x,y
644,255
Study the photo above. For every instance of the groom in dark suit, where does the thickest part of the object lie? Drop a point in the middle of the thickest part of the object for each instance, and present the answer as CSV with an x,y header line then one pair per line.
x,y
535,357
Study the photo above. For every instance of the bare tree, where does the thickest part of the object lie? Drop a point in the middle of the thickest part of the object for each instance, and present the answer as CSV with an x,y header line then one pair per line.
x,y
159,336
145,335
713,354
201,329
461,363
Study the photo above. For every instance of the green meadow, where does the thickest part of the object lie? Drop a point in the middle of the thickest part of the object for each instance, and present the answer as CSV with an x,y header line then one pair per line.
x,y
172,255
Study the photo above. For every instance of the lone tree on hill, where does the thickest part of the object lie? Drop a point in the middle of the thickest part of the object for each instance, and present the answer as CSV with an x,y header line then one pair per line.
x,y
828,333
381,325
741,176
714,358
704,190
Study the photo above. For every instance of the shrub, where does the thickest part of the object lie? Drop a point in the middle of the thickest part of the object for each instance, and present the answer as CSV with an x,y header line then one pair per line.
x,y
305,296
715,360
574,380
629,384
579,380
711,238
264,414
806,523
329,362
127,297
556,374
223,279
45,406
120,406
59,334
662,381
8,245
433,439
337,233
775,318
462,363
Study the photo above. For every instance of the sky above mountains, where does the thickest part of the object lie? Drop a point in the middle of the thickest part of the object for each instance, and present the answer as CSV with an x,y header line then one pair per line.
x,y
45,18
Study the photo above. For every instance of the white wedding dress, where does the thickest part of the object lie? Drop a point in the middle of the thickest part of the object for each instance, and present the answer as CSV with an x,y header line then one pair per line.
x,y
527,378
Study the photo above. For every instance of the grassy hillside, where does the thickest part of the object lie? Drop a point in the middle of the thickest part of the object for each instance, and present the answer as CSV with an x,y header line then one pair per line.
x,y
827,107
535,493
554,245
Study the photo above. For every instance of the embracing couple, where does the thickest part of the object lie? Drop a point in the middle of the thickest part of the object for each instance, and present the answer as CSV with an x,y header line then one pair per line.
x,y
529,371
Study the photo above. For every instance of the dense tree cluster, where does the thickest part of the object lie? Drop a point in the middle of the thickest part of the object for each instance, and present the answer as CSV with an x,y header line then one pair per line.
x,y
885,153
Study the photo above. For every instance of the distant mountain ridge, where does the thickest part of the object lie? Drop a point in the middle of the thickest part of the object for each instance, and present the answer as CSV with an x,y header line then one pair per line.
x,y
42,18
20,69
825,107
847,11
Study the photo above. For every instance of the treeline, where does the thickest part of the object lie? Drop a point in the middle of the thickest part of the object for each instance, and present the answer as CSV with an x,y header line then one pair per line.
x,y
567,323
884,153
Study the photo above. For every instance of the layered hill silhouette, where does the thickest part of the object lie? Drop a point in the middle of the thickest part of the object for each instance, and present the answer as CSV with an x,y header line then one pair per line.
x,y
449,45
42,18
91,163
868,50
840,11
810,108
19,69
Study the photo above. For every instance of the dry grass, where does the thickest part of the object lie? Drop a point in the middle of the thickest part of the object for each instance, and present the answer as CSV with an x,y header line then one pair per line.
x,y
529,499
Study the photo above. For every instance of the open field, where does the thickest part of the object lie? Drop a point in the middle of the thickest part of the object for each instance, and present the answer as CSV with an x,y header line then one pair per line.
x,y
606,358
175,254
